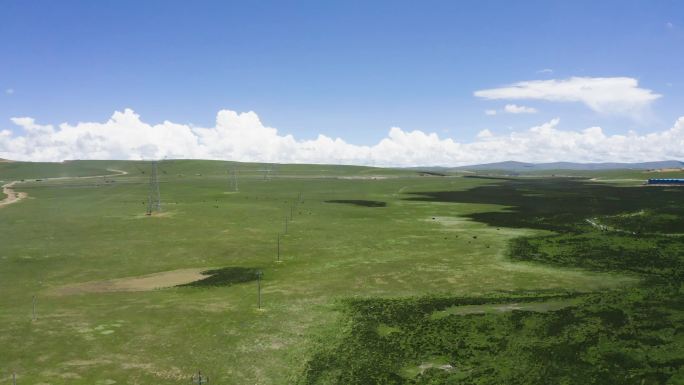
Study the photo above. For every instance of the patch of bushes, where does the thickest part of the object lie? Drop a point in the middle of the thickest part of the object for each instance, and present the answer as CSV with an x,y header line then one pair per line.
x,y
608,338
658,257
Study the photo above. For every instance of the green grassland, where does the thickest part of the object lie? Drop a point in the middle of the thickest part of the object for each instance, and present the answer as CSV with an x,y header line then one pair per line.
x,y
374,267
628,335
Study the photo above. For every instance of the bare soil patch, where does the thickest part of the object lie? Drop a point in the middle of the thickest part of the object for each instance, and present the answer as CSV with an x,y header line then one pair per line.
x,y
364,177
666,170
157,214
139,283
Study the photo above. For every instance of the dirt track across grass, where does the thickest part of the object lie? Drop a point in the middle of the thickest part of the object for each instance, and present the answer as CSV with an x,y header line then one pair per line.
x,y
12,196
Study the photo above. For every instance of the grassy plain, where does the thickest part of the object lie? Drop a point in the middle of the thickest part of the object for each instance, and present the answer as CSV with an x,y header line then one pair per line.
x,y
422,242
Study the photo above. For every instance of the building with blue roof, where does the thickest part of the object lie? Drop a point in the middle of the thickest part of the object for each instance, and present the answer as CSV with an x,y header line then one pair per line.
x,y
677,181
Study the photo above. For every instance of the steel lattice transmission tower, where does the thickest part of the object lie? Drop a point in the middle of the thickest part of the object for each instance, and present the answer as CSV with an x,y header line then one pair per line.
x,y
267,171
234,178
154,198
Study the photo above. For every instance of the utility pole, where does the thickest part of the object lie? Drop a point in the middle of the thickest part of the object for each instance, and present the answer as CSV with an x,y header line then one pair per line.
x,y
199,379
154,198
259,274
157,196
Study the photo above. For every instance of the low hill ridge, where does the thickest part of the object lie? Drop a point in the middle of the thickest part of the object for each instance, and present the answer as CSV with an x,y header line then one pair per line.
x,y
522,166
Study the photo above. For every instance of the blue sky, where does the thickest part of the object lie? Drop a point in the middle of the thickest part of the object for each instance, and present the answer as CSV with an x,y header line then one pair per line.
x,y
349,69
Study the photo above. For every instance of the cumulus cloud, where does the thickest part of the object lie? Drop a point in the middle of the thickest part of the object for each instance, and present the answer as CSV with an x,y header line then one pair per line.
x,y
615,95
243,137
516,109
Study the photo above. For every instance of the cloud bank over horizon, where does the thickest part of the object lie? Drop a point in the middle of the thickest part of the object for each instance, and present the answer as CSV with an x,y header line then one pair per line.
x,y
242,137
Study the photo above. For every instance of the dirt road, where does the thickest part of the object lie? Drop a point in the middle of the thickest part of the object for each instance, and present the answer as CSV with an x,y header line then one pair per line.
x,y
14,197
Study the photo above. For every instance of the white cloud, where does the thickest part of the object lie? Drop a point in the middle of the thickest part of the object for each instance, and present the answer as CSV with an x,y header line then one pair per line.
x,y
242,137
546,71
9,91
484,134
616,95
516,109
669,25
513,109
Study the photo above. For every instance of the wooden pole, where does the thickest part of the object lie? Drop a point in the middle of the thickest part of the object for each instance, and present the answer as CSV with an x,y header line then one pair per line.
x,y
259,290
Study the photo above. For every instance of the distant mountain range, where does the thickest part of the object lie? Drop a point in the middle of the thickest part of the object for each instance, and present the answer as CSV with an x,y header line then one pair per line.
x,y
513,166
522,166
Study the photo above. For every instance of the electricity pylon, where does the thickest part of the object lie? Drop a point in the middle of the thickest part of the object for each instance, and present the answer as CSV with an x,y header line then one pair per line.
x,y
234,179
267,171
199,379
